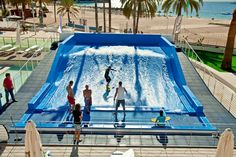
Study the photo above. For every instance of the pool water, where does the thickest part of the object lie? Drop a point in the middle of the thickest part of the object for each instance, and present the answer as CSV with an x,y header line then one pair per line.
x,y
143,71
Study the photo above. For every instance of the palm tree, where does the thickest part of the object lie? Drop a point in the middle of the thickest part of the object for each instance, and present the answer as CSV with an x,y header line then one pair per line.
x,y
15,3
67,6
54,7
227,60
109,3
129,8
96,15
147,8
41,10
139,8
3,5
177,6
104,15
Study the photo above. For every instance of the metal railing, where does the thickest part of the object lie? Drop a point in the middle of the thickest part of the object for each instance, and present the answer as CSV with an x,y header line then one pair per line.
x,y
224,94
119,138
93,145
24,72
29,41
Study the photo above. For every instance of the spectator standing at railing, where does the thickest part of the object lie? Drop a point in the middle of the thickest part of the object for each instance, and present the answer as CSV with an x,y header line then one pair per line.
x,y
77,122
8,86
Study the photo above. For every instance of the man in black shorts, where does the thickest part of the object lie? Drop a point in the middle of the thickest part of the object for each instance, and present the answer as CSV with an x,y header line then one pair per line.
x,y
107,77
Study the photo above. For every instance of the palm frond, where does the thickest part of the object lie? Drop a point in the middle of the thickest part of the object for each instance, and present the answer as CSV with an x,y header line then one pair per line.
x,y
68,6
179,5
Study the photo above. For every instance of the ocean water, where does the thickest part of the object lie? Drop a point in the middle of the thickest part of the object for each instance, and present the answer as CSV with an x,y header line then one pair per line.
x,y
216,10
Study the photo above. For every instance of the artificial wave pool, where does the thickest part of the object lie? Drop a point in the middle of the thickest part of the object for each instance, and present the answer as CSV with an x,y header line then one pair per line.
x,y
150,72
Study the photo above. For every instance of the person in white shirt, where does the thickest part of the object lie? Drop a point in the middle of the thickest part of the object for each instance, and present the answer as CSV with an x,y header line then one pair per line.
x,y
120,94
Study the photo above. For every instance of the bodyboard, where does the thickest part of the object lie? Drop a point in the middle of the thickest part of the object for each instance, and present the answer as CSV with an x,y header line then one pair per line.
x,y
154,120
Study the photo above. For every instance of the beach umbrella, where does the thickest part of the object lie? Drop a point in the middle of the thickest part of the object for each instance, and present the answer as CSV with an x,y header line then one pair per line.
x,y
225,146
33,145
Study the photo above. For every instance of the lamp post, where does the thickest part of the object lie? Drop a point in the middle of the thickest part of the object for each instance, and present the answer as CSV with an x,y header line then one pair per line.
x,y
33,4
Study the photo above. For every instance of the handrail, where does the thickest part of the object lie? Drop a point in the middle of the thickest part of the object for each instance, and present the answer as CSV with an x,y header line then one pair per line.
x,y
123,131
31,57
225,95
193,51
187,46
25,65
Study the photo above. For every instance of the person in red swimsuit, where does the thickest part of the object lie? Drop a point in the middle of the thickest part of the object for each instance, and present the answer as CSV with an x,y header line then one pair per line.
x,y
8,86
70,96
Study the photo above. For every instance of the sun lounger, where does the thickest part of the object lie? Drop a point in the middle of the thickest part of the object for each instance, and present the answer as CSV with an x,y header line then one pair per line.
x,y
39,49
12,49
20,52
35,53
29,51
11,57
31,48
5,47
2,53
8,52
28,55
38,52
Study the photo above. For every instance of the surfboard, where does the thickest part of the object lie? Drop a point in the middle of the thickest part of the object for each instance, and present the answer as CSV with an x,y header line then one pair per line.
x,y
108,88
154,120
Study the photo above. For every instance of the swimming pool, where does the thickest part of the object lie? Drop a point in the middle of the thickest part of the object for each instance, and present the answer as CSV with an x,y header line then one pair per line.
x,y
146,64
18,77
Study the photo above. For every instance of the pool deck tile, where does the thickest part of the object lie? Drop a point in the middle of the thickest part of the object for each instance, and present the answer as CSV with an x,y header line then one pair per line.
x,y
27,91
214,111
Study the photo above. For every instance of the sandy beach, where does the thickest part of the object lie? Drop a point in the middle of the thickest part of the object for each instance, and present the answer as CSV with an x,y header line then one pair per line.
x,y
212,32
